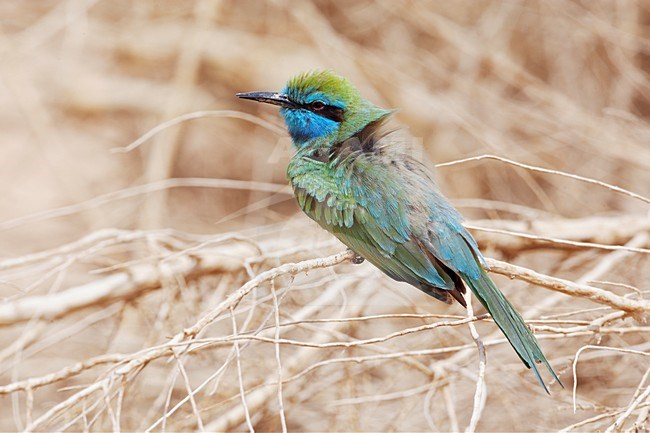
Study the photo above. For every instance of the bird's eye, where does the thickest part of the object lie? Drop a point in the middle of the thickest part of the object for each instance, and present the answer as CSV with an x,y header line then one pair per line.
x,y
317,105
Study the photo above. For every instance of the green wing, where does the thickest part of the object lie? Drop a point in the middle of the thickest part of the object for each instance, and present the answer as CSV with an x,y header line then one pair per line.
x,y
366,208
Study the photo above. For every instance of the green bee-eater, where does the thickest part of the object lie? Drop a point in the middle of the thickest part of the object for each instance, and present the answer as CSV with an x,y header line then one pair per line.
x,y
352,177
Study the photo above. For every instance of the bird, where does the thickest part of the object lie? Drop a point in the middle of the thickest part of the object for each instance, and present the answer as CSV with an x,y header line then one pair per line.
x,y
354,175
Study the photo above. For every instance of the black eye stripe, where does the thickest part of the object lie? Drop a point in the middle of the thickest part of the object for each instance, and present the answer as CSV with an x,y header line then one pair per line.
x,y
328,111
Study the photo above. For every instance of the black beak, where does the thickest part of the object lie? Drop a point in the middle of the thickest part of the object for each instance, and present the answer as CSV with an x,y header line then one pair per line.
x,y
274,98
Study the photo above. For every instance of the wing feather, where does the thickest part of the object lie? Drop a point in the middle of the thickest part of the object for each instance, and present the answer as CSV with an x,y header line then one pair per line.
x,y
372,219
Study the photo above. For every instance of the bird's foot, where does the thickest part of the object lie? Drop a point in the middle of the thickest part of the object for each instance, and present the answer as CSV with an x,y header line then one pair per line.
x,y
356,259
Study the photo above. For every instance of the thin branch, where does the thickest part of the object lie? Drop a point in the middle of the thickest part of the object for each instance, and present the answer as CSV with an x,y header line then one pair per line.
x,y
569,288
198,115
242,391
161,185
397,395
597,418
276,315
190,393
136,281
304,356
480,395
582,349
512,236
451,409
37,382
618,424
549,171
557,241
186,335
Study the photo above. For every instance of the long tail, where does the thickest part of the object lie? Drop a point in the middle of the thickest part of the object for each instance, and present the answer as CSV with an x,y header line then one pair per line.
x,y
511,324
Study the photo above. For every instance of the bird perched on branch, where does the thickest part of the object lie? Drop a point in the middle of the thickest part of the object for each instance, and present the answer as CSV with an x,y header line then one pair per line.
x,y
354,178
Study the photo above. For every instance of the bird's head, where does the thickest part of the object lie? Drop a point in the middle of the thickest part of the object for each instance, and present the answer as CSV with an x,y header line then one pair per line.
x,y
320,106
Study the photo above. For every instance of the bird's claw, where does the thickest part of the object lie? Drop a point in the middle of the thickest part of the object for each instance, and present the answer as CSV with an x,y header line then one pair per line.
x,y
357,259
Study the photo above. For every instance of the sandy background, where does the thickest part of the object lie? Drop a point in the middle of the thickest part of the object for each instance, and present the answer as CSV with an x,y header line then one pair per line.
x,y
553,84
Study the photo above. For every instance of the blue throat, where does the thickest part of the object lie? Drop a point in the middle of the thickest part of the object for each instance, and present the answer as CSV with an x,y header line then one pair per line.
x,y
304,126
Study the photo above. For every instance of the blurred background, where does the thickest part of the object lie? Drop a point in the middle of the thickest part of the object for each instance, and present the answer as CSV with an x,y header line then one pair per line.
x,y
557,84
